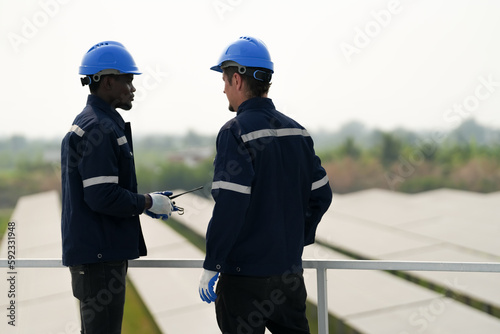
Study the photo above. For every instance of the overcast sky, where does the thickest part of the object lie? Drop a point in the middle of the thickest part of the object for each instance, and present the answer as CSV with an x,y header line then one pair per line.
x,y
419,64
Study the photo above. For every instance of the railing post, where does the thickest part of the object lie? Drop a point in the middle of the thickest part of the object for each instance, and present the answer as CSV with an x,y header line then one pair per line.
x,y
322,301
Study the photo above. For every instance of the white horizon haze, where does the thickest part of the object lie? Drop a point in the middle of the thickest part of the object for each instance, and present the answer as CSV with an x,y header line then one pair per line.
x,y
385,63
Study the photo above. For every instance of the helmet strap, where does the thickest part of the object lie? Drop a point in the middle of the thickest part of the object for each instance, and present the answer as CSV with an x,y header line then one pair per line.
x,y
229,63
87,80
257,74
261,75
96,77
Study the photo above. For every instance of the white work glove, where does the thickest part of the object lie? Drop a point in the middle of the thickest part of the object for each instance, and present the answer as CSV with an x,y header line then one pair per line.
x,y
162,206
207,282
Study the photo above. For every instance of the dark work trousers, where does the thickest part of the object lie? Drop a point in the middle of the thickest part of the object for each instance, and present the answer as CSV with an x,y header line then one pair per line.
x,y
247,305
100,287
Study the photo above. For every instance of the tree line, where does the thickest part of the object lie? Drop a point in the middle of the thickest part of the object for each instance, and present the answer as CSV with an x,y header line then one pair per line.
x,y
354,158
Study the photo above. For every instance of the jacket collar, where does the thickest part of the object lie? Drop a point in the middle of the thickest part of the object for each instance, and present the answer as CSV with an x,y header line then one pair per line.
x,y
256,103
96,101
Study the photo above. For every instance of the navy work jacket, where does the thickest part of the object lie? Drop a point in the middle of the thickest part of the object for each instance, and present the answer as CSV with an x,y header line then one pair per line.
x,y
270,193
100,204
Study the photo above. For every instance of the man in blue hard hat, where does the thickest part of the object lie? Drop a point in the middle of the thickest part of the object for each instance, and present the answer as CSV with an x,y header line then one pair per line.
x,y
100,223
270,193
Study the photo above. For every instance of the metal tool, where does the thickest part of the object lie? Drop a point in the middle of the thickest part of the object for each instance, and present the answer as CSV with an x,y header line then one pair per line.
x,y
180,210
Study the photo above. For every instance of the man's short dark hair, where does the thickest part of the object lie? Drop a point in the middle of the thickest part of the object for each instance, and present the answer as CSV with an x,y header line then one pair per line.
x,y
256,88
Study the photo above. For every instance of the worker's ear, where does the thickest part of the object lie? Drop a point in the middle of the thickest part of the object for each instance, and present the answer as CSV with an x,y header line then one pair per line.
x,y
237,81
107,82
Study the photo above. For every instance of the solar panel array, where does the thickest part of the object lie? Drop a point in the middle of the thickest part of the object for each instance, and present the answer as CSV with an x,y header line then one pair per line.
x,y
441,225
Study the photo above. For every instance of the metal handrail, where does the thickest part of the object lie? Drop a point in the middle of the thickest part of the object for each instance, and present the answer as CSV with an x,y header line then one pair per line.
x,y
321,267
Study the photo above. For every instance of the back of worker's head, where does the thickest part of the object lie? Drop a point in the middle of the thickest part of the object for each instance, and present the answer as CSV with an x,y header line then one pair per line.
x,y
254,87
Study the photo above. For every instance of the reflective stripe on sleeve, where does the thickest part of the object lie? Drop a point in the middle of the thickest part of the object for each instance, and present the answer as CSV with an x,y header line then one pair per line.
x,y
99,180
320,183
232,186
274,133
76,129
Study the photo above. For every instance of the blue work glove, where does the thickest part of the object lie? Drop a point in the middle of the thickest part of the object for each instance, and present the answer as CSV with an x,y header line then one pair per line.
x,y
162,206
207,282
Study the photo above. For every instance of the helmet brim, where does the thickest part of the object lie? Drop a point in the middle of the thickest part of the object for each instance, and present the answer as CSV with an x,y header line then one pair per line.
x,y
216,68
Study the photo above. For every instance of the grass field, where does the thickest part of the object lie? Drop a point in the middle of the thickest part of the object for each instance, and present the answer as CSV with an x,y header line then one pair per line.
x,y
4,220
136,317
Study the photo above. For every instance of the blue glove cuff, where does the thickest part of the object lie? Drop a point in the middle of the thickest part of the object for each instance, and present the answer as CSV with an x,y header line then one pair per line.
x,y
156,216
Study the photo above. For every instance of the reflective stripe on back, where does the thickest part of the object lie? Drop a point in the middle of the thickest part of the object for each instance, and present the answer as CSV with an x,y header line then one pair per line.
x,y
274,133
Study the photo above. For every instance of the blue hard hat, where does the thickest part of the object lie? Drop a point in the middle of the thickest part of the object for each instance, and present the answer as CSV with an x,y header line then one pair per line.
x,y
108,55
248,52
